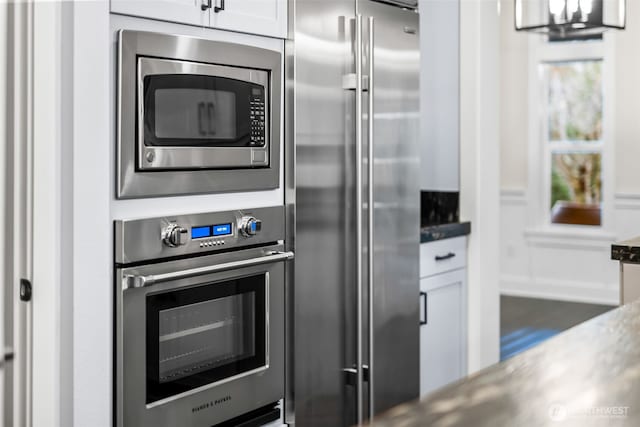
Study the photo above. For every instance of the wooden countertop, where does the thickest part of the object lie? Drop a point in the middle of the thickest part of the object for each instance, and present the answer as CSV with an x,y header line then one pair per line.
x,y
586,376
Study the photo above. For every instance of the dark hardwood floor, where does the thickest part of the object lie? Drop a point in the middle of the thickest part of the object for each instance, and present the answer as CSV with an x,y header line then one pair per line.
x,y
526,322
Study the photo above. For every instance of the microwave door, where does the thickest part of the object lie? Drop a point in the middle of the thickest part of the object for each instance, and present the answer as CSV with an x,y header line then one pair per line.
x,y
201,116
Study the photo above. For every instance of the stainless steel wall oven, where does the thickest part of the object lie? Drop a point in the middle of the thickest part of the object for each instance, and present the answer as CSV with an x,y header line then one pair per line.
x,y
196,116
199,317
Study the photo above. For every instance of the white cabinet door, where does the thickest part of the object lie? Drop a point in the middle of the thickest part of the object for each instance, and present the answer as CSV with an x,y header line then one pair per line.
x,y
442,330
264,17
180,11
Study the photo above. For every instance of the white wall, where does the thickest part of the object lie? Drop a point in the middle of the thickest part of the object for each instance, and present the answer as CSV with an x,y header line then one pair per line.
x,y
567,263
480,173
514,110
627,125
91,228
440,95
47,279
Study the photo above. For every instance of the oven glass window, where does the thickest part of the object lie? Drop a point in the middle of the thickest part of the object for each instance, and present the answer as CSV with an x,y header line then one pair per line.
x,y
184,110
197,336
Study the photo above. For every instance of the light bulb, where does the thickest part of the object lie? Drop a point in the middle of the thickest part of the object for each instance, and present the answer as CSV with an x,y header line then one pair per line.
x,y
586,6
556,7
572,7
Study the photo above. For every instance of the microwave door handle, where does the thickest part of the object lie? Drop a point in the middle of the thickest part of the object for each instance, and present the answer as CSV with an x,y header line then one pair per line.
x,y
211,118
202,118
135,281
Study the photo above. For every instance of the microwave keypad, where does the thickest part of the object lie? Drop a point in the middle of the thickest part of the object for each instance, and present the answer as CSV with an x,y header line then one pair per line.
x,y
257,120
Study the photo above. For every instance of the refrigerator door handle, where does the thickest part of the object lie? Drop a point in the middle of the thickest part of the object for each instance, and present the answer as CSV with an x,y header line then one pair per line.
x,y
370,206
359,247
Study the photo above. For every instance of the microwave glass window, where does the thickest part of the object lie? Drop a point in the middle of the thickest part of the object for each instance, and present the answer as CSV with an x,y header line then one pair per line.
x,y
203,334
195,113
186,110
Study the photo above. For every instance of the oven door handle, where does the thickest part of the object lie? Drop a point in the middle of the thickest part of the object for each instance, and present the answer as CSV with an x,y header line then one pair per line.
x,y
135,281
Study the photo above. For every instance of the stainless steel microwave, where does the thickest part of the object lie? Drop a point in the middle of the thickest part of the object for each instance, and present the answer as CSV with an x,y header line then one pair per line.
x,y
196,116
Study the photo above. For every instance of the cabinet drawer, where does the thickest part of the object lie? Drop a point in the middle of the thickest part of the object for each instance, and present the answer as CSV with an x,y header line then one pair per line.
x,y
443,255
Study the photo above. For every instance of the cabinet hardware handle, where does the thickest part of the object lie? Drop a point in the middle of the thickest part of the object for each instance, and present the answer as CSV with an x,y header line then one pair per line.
x,y
205,5
221,7
445,257
423,295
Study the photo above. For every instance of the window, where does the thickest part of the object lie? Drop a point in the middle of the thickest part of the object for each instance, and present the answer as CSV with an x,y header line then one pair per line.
x,y
573,140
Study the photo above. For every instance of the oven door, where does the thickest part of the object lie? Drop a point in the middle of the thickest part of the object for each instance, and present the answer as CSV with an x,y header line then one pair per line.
x,y
200,341
201,116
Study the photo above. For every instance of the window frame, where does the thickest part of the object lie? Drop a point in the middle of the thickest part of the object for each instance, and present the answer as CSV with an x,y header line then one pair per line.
x,y
541,148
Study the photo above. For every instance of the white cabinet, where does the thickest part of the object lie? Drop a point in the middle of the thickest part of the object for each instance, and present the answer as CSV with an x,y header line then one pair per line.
x,y
443,305
266,17
263,17
181,11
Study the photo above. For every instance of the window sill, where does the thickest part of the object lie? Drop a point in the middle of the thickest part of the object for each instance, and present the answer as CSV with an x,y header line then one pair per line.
x,y
570,234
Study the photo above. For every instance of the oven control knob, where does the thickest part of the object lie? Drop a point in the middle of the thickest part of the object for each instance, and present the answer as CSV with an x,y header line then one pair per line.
x,y
173,235
249,226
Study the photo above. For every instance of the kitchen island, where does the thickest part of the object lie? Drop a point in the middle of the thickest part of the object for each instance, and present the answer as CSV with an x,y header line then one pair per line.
x,y
587,376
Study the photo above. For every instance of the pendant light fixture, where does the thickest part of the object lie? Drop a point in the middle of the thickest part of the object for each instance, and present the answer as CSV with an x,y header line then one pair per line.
x,y
570,19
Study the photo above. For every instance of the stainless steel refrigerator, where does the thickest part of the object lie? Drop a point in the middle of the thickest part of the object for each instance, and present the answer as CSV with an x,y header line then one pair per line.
x,y
353,111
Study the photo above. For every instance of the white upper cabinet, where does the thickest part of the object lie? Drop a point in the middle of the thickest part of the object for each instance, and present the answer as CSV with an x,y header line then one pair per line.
x,y
266,17
182,11
262,17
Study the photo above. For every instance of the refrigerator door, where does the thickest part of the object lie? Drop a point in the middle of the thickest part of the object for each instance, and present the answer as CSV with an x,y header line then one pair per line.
x,y
392,138
323,293
332,340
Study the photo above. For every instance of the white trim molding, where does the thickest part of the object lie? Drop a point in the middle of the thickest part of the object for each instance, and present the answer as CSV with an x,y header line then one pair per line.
x,y
513,196
627,201
480,174
560,290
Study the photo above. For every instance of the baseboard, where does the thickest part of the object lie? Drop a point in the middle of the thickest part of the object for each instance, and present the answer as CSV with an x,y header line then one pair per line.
x,y
592,293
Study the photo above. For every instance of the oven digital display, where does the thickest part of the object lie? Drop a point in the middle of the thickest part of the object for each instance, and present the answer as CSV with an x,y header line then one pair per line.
x,y
221,229
200,232
211,231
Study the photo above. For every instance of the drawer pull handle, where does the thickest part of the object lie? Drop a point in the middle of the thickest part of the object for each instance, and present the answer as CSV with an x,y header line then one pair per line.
x,y
424,309
445,257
